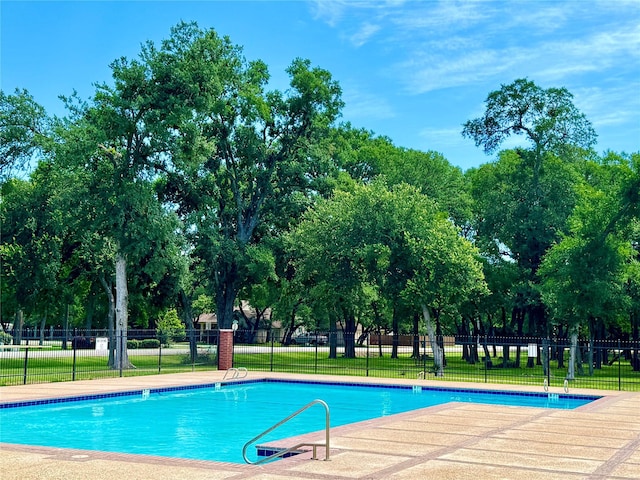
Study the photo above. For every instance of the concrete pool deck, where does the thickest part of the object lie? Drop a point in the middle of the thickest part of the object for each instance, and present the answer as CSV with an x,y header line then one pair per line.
x,y
600,440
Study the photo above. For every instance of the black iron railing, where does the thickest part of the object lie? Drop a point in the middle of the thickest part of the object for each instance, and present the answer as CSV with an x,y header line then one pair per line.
x,y
87,354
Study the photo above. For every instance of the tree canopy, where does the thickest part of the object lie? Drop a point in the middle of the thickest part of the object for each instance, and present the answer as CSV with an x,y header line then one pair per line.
x,y
187,185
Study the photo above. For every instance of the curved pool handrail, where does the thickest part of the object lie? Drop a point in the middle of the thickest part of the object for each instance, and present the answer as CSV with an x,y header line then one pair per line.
x,y
236,373
284,451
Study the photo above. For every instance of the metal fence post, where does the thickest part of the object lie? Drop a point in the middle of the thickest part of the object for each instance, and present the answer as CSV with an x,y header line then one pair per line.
x,y
271,356
315,367
424,357
121,352
548,361
367,355
160,358
486,359
26,361
619,366
74,346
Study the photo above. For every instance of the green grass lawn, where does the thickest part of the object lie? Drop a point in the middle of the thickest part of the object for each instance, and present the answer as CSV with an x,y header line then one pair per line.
x,y
87,365
608,377
62,369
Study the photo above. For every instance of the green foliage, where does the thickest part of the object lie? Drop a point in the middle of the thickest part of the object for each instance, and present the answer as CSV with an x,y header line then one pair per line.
x,y
170,328
523,201
547,118
377,245
149,343
24,132
5,338
212,188
584,275
242,161
203,304
366,158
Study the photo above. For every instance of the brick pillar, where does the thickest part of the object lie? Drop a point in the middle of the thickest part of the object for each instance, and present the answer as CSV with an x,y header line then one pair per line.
x,y
225,350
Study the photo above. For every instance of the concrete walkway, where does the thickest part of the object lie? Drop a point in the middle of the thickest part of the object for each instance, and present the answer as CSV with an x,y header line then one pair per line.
x,y
452,441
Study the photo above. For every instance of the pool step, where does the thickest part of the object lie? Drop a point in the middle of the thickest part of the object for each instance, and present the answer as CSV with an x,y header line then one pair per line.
x,y
268,450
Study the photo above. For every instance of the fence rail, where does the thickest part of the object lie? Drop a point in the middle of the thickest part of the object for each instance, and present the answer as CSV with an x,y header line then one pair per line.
x,y
54,357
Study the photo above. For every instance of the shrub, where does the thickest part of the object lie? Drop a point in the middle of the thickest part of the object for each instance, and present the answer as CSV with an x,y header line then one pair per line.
x,y
5,338
170,328
149,343
132,344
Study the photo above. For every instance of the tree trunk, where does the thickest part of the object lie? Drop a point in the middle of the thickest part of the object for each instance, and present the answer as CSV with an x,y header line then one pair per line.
x,y
463,333
226,294
545,353
17,328
571,372
65,328
111,318
350,336
635,330
438,360
517,316
579,361
43,325
591,347
395,339
88,321
122,313
188,321
290,324
333,338
440,337
559,346
416,336
531,318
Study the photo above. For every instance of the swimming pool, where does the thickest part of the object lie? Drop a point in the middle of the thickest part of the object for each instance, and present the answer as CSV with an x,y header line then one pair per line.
x,y
212,422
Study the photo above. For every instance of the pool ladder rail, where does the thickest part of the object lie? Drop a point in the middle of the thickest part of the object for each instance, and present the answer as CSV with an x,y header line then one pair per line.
x,y
284,451
545,385
236,373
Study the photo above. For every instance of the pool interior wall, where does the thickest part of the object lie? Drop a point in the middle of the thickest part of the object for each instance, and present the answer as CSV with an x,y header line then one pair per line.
x,y
138,392
229,451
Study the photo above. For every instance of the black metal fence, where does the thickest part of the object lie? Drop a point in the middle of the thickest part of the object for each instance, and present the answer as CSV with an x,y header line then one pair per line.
x,y
610,365
80,355
58,356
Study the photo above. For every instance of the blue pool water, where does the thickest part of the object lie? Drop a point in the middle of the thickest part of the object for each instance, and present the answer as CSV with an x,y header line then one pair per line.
x,y
210,423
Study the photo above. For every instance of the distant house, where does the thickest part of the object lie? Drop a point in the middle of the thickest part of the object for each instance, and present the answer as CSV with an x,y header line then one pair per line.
x,y
208,322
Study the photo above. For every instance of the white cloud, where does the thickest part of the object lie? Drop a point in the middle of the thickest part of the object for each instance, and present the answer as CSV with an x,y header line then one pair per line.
x,y
608,107
455,63
329,11
363,35
334,11
434,72
455,43
442,137
443,47
367,106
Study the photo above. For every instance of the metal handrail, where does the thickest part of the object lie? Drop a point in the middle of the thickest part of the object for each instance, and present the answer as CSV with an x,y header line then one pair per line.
x,y
297,446
236,373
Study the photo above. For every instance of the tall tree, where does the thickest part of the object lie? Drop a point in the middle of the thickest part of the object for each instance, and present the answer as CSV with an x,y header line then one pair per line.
x,y
585,275
244,156
374,243
525,198
24,132
115,144
34,243
366,157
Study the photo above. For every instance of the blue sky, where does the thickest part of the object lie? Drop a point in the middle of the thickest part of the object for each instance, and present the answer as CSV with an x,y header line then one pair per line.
x,y
414,71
